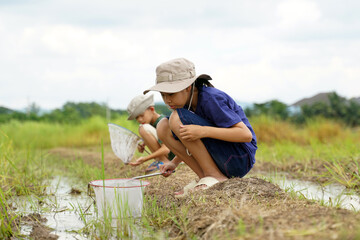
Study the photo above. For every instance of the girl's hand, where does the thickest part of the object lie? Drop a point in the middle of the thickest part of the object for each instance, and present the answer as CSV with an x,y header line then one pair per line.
x,y
191,132
167,169
141,147
137,162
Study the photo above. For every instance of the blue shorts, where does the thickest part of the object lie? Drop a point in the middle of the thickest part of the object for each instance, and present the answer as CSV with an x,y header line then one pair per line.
x,y
230,157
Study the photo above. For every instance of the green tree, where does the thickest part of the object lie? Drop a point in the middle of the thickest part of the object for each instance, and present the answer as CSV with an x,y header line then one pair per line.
x,y
338,106
352,116
316,109
162,109
272,108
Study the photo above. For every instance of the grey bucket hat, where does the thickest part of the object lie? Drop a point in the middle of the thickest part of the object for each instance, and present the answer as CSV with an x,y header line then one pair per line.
x,y
174,75
139,104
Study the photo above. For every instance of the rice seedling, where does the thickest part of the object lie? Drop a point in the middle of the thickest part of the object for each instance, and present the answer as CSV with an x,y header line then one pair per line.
x,y
179,217
113,221
8,221
23,173
241,228
339,173
153,214
115,216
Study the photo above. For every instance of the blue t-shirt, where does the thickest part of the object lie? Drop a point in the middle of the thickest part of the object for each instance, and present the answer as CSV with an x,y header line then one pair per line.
x,y
221,110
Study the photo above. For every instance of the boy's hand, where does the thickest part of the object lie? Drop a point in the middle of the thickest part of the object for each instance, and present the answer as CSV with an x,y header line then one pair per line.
x,y
137,162
191,132
167,169
141,147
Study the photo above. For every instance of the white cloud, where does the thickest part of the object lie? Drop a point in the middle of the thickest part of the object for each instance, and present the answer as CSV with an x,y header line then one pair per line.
x,y
255,50
260,82
294,13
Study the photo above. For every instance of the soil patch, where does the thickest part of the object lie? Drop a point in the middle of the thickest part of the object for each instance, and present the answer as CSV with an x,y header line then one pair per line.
x,y
39,230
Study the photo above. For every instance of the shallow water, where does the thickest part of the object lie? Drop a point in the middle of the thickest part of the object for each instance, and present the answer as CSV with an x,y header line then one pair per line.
x,y
331,194
59,207
67,216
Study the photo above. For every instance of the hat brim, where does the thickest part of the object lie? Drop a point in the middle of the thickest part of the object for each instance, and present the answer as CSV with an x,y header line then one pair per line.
x,y
141,107
131,117
172,87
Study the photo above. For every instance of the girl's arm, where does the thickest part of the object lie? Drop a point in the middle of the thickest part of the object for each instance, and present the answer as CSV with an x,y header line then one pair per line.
x,y
168,168
239,132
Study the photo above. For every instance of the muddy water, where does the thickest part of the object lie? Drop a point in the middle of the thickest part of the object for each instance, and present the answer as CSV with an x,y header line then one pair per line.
x,y
60,208
331,195
66,219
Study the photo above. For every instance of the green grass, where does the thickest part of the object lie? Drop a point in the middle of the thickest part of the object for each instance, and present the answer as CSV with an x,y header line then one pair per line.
x,y
22,172
327,148
42,135
8,221
317,143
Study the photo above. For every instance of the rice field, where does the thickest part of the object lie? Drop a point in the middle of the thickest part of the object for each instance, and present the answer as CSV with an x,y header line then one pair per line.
x,y
33,153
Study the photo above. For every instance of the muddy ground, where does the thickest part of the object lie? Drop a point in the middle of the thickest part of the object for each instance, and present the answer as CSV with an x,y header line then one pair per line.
x,y
247,208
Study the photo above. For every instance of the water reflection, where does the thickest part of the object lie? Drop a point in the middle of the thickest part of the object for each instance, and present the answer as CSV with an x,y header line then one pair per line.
x,y
331,195
60,207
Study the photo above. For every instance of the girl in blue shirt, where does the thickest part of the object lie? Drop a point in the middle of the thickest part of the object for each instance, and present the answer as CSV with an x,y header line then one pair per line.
x,y
207,129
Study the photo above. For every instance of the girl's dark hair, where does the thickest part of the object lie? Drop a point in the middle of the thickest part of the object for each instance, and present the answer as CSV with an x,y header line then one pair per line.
x,y
203,80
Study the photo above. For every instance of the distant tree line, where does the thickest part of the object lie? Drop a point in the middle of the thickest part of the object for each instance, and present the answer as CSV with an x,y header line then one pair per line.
x,y
70,112
338,108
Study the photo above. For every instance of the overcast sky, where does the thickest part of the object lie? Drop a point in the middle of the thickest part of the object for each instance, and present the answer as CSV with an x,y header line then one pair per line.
x,y
54,51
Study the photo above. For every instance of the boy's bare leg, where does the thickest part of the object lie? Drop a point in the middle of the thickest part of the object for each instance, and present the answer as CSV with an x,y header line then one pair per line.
x,y
198,150
152,143
165,135
149,140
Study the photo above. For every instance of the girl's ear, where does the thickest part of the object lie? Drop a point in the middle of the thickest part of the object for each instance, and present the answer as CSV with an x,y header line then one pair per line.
x,y
152,108
188,89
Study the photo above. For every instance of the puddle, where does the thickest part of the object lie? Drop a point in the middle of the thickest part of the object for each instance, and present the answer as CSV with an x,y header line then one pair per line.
x,y
64,217
331,195
62,210
59,207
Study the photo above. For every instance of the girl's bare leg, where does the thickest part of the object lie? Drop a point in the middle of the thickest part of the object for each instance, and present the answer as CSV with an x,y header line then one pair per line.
x,y
165,135
198,150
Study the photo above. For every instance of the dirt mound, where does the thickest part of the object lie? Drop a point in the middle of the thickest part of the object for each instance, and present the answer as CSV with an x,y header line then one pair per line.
x,y
247,208
238,187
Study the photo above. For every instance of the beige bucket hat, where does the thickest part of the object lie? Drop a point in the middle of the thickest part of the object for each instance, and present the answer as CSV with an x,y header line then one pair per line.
x,y
139,104
174,75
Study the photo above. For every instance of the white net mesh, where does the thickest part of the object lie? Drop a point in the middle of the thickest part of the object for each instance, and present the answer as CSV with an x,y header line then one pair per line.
x,y
123,142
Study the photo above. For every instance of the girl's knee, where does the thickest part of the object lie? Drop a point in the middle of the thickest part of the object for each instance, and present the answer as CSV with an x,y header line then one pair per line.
x,y
162,128
174,121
